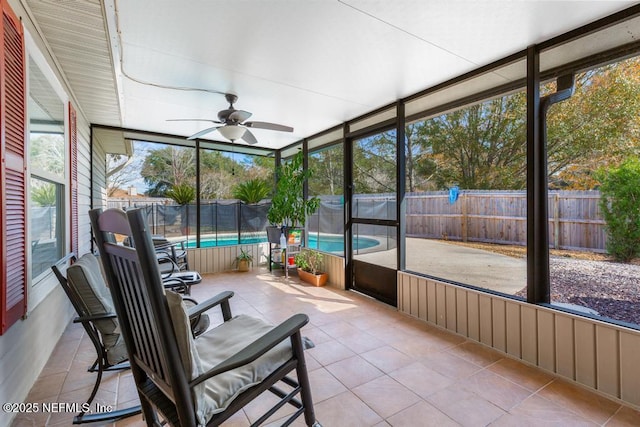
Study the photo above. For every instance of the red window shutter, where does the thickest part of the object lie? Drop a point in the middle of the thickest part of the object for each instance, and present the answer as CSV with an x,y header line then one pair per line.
x,y
13,171
73,140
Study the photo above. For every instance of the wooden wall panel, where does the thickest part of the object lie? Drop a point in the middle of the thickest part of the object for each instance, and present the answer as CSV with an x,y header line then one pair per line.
x,y
585,353
422,296
513,330
452,311
413,294
546,340
473,318
596,355
529,328
629,367
486,320
432,314
499,324
608,360
565,343
441,305
461,312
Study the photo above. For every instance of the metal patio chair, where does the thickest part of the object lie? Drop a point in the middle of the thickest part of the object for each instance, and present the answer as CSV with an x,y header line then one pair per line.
x,y
184,381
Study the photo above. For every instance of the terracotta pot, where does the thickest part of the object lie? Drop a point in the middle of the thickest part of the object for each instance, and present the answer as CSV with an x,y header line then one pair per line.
x,y
243,265
313,279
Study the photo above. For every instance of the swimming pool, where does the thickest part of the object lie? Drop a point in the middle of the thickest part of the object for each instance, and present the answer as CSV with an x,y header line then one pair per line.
x,y
327,243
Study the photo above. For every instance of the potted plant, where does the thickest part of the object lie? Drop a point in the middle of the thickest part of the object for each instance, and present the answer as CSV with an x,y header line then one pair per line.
x,y
243,261
309,263
288,207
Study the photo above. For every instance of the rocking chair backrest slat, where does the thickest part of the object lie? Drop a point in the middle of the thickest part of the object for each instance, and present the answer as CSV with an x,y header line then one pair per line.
x,y
138,294
136,300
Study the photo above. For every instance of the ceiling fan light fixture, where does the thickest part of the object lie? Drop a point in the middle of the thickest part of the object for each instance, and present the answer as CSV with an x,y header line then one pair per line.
x,y
232,132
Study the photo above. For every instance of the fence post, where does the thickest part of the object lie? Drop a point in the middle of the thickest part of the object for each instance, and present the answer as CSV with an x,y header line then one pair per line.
x,y
556,221
464,224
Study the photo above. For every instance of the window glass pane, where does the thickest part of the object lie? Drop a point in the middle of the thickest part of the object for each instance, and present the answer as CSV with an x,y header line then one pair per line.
x,y
234,192
376,244
374,176
46,126
466,195
45,110
593,149
326,226
46,233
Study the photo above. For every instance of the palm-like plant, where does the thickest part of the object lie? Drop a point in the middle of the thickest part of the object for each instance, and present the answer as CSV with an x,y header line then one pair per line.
x,y
252,191
182,194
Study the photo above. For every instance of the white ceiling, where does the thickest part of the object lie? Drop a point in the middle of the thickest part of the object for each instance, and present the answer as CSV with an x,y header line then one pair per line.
x,y
307,64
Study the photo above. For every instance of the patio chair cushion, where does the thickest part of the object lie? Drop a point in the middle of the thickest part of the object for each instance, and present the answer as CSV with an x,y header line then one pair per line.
x,y
216,345
85,277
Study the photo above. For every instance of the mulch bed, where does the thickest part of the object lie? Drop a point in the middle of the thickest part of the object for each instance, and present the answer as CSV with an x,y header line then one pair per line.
x,y
587,279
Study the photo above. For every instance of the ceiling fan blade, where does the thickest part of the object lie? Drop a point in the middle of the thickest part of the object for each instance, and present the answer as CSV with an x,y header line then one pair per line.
x,y
193,120
270,126
249,138
202,132
239,116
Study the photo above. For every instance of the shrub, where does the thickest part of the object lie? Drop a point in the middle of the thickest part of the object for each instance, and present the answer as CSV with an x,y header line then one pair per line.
x,y
252,191
620,204
182,194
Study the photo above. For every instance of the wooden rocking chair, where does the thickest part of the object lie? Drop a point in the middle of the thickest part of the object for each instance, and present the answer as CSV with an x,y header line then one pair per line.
x,y
187,381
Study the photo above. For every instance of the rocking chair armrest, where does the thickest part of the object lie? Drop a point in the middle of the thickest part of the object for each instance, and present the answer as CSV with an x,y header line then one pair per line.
x,y
221,299
257,348
92,318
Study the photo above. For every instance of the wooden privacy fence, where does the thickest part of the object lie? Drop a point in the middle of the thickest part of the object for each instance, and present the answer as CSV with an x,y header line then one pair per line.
x,y
575,220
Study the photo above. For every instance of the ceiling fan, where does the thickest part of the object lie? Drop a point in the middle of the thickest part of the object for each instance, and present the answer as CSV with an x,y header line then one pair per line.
x,y
231,124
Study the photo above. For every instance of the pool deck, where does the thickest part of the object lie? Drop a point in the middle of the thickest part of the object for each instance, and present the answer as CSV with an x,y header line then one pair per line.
x,y
457,263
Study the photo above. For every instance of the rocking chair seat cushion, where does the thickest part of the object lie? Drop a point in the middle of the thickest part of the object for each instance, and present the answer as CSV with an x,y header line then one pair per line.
x,y
224,341
216,345
85,278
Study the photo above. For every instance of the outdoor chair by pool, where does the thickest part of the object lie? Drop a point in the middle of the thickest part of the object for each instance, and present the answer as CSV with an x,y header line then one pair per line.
x,y
85,287
203,381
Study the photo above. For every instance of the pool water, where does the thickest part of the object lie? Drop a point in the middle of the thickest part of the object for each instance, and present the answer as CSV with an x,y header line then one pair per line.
x,y
326,243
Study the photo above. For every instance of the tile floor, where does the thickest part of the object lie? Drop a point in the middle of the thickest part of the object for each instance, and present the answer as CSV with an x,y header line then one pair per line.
x,y
371,366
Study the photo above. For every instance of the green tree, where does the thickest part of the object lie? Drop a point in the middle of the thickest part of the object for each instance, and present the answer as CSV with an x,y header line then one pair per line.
x,y
598,126
478,147
620,201
374,164
327,165
168,166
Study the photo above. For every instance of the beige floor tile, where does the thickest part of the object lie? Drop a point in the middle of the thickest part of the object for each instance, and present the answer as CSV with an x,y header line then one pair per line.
x,y
324,385
624,417
476,353
421,414
330,352
465,407
359,341
450,365
582,402
386,396
354,371
536,411
420,379
346,410
47,386
387,358
414,374
497,390
526,376
337,329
